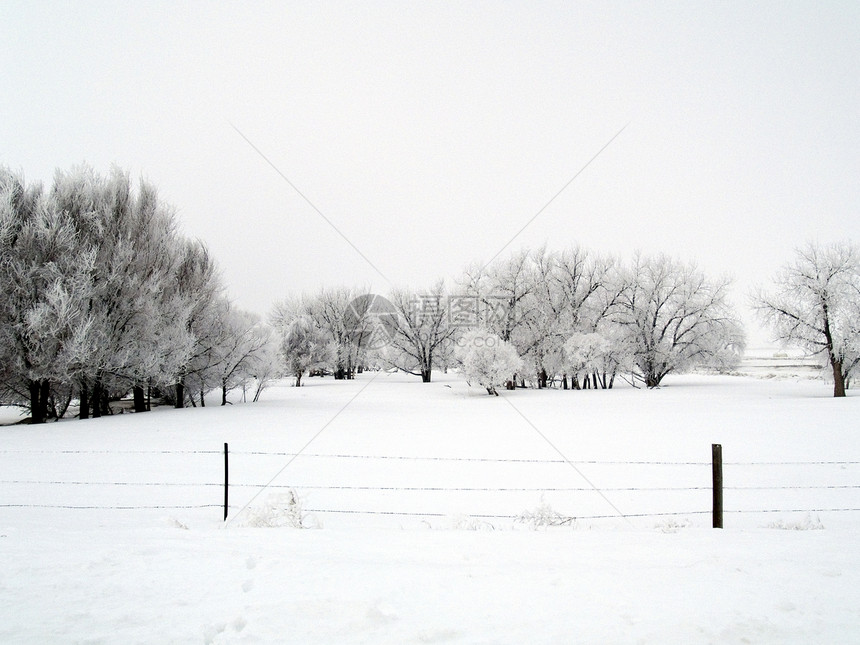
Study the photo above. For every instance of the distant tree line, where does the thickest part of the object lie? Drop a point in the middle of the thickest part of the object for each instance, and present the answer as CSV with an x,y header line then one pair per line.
x,y
575,319
572,318
101,298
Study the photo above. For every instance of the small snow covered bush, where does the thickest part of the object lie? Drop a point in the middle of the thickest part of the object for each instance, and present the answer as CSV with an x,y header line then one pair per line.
x,y
304,347
544,516
487,360
467,523
808,523
673,525
283,510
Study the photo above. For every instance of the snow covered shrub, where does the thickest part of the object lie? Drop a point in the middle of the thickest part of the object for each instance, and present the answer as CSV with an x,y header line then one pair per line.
x,y
673,525
808,523
282,510
467,523
544,516
304,347
487,360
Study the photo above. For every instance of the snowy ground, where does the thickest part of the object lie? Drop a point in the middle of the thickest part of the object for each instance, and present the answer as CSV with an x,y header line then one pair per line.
x,y
111,531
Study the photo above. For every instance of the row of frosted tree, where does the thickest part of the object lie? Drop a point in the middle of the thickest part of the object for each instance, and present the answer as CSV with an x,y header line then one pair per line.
x,y
101,297
575,319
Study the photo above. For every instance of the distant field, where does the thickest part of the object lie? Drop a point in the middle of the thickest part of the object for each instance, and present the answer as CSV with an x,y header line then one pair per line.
x,y
779,363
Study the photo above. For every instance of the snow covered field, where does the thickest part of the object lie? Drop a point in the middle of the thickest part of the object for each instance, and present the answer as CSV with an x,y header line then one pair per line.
x,y
430,499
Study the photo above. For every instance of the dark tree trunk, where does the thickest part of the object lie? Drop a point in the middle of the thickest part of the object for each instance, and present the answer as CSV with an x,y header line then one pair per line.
x,y
97,399
44,397
202,400
835,363
104,401
425,375
38,404
838,380
299,379
64,406
542,379
139,398
223,393
84,396
180,395
564,382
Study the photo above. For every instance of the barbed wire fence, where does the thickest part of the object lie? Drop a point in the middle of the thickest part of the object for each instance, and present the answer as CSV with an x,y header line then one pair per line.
x,y
748,484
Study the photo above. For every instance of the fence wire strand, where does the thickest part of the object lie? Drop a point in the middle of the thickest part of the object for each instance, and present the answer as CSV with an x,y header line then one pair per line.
x,y
259,487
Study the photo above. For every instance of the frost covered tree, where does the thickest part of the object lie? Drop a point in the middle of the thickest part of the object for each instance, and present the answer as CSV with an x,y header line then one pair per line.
x,y
581,276
265,366
563,301
243,346
45,281
107,262
135,331
502,292
198,285
544,325
100,296
328,311
816,306
304,347
538,299
594,327
420,331
339,313
675,319
487,360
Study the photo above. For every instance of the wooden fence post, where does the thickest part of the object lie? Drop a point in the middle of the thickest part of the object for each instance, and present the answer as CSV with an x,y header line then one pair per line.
x,y
226,480
717,467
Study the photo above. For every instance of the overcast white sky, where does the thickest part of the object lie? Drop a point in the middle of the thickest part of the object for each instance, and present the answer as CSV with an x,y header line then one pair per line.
x,y
429,134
